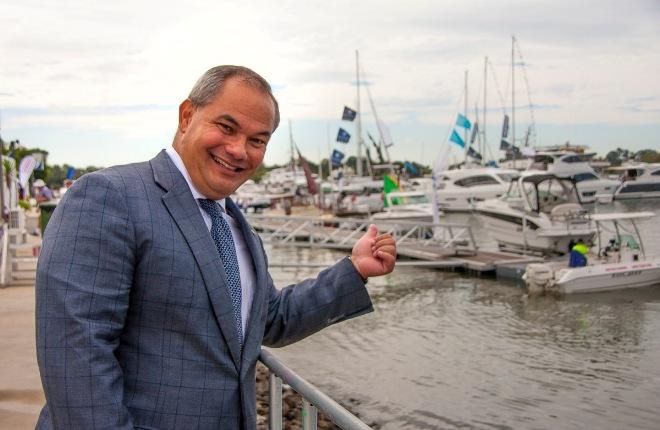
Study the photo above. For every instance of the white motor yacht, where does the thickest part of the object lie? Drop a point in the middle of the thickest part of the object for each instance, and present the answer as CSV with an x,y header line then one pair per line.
x,y
540,213
458,190
639,181
590,186
619,262
407,206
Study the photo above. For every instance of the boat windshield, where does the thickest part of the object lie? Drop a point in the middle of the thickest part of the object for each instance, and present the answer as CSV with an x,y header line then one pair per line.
x,y
408,200
508,177
545,195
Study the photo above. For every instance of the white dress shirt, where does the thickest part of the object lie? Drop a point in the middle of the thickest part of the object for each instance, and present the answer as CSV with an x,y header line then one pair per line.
x,y
246,267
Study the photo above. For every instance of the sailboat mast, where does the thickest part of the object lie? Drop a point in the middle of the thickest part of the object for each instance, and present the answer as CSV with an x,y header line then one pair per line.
x,y
513,94
293,158
482,150
465,112
358,124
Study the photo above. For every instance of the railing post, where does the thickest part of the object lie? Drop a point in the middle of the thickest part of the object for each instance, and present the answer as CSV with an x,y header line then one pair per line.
x,y
309,415
275,406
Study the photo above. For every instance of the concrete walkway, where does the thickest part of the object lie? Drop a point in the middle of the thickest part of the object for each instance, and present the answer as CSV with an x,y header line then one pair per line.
x,y
21,395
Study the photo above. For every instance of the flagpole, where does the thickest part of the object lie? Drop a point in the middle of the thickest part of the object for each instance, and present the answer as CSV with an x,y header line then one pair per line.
x,y
485,141
330,178
359,117
465,110
513,100
293,159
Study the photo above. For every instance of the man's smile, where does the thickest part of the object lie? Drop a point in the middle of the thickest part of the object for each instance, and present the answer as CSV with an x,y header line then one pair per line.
x,y
226,165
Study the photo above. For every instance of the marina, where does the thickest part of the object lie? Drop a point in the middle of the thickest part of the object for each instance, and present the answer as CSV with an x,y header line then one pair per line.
x,y
446,350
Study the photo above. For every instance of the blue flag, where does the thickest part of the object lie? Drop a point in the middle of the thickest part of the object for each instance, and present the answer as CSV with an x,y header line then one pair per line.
x,y
409,167
505,126
343,136
70,172
475,131
462,121
474,154
456,139
349,114
337,156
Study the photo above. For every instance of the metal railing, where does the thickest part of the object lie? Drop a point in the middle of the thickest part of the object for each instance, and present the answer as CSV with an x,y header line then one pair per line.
x,y
313,399
344,232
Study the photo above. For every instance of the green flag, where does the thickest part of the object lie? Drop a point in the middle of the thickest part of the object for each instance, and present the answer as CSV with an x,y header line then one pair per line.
x,y
390,183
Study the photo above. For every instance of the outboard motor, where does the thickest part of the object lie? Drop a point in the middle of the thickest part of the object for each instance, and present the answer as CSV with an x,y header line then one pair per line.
x,y
539,278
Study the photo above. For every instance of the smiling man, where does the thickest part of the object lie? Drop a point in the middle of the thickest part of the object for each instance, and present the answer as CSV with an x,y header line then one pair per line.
x,y
153,292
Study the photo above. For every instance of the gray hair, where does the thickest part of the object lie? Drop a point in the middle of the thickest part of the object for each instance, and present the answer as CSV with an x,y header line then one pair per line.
x,y
213,80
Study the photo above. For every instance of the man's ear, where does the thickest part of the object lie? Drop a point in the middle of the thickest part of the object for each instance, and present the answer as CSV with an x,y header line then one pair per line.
x,y
186,110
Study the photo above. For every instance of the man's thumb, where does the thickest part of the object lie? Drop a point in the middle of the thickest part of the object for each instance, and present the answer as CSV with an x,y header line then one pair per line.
x,y
372,231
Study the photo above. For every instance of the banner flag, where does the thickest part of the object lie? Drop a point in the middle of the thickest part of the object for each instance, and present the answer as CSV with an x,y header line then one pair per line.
x,y
410,168
337,156
312,187
70,172
475,131
474,154
505,126
391,183
456,139
462,121
348,114
25,169
343,136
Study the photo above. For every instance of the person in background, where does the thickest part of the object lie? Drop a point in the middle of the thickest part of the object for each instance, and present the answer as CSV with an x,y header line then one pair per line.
x,y
153,296
41,192
578,254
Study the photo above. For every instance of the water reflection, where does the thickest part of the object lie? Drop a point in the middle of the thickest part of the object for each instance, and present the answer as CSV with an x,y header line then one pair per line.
x,y
444,351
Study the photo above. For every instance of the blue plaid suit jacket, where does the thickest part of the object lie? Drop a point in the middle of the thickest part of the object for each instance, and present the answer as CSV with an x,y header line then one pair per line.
x,y
134,319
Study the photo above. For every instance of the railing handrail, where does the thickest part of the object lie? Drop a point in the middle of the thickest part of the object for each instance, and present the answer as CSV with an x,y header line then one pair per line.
x,y
337,413
338,220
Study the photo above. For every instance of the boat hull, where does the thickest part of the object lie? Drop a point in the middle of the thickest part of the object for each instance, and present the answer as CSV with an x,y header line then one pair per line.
x,y
508,231
607,277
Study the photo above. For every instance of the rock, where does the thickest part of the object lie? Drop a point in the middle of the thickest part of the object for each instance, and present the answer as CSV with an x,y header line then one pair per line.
x,y
291,405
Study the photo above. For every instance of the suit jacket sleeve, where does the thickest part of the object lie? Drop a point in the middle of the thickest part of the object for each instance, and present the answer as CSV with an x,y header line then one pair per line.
x,y
337,294
84,277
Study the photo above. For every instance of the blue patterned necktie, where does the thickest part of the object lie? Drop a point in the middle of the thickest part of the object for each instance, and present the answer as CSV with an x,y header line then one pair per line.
x,y
221,234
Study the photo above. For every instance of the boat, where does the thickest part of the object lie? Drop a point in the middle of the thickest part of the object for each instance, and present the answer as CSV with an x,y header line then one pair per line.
x,y
575,165
540,213
639,181
619,262
362,196
406,206
459,190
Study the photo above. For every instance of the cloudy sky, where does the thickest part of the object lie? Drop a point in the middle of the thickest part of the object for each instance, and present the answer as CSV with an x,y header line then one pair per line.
x,y
99,83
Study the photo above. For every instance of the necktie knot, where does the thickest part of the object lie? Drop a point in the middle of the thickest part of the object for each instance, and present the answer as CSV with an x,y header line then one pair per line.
x,y
211,207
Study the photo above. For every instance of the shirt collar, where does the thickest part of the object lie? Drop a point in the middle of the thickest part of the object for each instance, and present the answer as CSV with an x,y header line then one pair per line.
x,y
178,162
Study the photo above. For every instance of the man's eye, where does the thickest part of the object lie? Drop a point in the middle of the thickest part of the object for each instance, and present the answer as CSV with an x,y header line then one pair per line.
x,y
225,127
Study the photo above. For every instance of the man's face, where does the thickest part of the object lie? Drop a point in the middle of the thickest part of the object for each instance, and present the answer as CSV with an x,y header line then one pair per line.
x,y
223,143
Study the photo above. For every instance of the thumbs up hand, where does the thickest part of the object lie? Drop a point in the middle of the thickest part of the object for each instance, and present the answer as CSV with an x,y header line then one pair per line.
x,y
374,255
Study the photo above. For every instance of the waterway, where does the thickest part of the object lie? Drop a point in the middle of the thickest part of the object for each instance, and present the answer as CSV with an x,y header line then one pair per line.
x,y
446,351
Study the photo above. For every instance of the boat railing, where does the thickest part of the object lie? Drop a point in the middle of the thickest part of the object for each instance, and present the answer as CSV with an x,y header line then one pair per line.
x,y
327,232
313,399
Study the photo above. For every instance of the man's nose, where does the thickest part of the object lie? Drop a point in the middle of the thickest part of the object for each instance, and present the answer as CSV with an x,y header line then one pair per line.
x,y
237,147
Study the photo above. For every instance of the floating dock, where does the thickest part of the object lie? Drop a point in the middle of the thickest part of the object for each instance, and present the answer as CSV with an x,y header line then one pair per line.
x,y
448,246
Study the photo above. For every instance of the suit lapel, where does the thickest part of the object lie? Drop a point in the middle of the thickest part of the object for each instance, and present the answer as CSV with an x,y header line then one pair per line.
x,y
184,210
252,241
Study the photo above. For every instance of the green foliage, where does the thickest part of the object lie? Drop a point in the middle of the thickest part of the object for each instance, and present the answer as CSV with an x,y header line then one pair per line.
x,y
648,156
620,156
24,204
